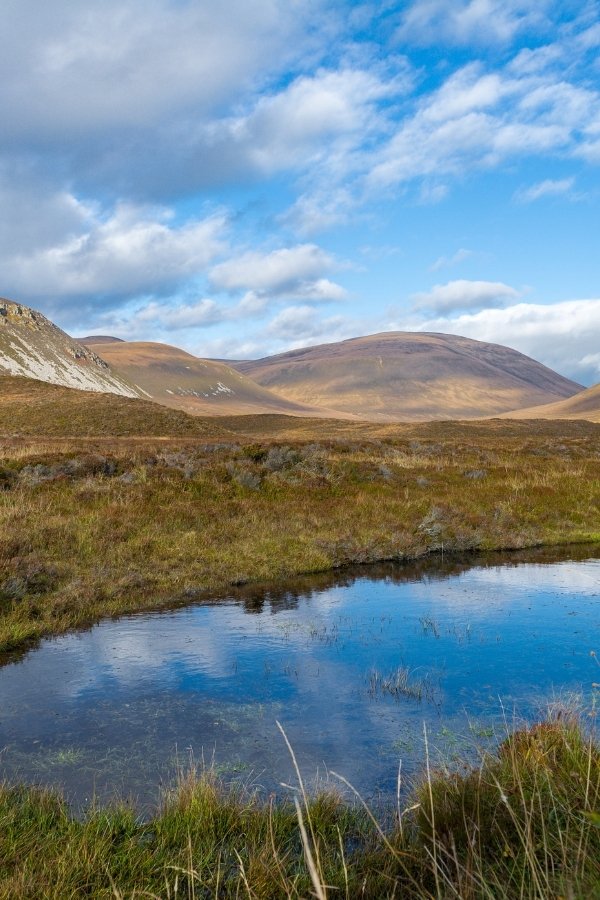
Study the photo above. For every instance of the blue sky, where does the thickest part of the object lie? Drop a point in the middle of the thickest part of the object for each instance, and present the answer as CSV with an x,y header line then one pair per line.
x,y
242,178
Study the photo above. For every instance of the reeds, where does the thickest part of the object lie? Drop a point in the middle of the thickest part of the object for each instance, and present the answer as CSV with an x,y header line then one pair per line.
x,y
524,824
401,682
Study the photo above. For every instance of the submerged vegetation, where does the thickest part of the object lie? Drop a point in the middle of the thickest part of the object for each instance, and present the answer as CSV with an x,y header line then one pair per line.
x,y
98,526
401,683
525,824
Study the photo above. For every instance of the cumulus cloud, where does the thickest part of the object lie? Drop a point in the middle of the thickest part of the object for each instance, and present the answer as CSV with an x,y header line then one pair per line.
x,y
547,188
69,68
107,258
290,127
154,99
320,210
299,327
564,336
173,318
462,294
34,217
292,272
116,116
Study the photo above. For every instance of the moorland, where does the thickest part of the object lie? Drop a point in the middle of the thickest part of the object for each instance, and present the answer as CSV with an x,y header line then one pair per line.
x,y
100,522
110,505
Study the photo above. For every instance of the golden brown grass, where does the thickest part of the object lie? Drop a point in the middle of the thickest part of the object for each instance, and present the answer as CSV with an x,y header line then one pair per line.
x,y
102,526
34,408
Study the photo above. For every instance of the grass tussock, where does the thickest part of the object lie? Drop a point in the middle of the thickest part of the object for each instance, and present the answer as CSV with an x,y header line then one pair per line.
x,y
96,527
525,824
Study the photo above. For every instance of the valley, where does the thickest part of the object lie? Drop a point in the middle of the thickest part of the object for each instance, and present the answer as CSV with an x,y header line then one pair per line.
x,y
195,563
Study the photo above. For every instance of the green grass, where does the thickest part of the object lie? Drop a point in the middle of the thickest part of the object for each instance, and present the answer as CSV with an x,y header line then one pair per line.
x,y
95,527
525,824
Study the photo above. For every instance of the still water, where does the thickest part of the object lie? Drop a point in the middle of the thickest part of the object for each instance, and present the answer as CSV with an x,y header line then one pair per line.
x,y
353,665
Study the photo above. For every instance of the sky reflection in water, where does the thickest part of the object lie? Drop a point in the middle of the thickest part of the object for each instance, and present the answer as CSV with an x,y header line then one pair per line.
x,y
110,711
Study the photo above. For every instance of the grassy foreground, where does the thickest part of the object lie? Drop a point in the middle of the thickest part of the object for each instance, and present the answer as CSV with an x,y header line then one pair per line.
x,y
526,824
101,526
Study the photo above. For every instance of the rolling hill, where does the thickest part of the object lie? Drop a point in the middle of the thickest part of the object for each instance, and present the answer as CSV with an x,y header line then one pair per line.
x,y
33,408
34,347
412,376
172,377
584,405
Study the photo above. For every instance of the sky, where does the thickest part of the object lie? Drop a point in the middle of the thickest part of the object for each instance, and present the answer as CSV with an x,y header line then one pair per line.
x,y
239,179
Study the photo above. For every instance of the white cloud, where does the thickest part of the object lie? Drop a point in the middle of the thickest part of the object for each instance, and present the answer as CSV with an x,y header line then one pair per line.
x,y
320,210
298,326
294,125
292,271
33,218
547,188
431,194
149,319
476,119
467,90
564,336
446,262
468,21
462,294
70,67
174,318
131,251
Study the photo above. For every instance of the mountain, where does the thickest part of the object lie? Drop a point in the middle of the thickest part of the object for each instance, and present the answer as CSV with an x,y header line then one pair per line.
x,y
584,405
413,376
172,377
33,346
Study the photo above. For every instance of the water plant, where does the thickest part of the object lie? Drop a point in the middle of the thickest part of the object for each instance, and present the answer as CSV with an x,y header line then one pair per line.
x,y
400,682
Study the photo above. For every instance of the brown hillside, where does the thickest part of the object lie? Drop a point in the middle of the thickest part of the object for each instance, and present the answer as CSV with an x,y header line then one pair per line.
x,y
584,405
411,376
172,377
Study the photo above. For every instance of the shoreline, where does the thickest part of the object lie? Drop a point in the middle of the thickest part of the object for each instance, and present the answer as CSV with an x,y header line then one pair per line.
x,y
92,534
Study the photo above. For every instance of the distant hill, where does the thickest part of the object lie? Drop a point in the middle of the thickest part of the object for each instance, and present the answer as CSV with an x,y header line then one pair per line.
x,y
30,407
100,339
412,376
172,377
33,346
585,405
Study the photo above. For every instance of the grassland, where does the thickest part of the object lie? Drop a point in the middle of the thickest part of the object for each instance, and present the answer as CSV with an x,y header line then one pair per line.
x,y
109,505
101,526
33,408
525,824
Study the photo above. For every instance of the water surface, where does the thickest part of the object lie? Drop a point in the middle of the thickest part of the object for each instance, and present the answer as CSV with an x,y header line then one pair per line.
x,y
352,664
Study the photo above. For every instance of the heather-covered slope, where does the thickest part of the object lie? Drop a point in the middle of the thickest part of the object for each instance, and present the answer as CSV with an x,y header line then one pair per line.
x,y
172,377
410,375
584,405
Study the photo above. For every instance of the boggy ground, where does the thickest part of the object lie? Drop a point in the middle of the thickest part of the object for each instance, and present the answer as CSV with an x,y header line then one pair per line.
x,y
526,824
95,526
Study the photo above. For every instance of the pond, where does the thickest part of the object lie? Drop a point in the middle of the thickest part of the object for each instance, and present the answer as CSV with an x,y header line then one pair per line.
x,y
355,665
